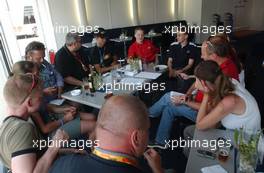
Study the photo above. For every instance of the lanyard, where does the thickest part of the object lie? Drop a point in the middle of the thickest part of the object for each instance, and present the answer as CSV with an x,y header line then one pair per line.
x,y
101,54
118,157
77,57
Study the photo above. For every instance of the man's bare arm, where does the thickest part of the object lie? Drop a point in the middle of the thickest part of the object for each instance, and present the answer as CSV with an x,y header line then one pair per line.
x,y
72,81
189,65
28,163
169,63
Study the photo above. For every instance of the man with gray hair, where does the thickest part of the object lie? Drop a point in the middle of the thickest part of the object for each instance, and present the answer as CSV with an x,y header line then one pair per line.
x,y
72,62
122,137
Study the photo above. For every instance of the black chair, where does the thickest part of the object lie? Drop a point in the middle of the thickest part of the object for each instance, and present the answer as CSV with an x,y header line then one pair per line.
x,y
254,72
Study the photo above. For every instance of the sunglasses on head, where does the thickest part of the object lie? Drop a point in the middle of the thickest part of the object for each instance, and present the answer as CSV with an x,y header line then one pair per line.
x,y
209,43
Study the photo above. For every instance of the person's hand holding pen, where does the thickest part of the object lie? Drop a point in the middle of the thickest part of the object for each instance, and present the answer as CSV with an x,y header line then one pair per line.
x,y
175,73
185,76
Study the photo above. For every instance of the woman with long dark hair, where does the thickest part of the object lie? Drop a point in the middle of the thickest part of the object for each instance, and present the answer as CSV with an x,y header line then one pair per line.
x,y
225,101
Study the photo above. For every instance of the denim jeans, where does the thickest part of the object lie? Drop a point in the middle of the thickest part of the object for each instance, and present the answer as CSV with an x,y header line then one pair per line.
x,y
157,109
169,112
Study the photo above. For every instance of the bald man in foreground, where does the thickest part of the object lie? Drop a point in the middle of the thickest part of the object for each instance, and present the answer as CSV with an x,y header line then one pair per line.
x,y
122,135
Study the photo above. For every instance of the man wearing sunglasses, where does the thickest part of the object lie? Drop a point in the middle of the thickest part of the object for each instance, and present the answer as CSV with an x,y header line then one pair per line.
x,y
18,152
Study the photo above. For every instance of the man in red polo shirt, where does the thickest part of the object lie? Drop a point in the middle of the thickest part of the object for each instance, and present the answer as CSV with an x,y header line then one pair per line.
x,y
142,48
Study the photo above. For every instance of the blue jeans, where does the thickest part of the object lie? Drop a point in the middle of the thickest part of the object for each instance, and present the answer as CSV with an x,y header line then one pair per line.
x,y
157,109
169,113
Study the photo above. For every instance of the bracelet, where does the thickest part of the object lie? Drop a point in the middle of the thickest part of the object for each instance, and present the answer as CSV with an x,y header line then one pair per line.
x,y
61,122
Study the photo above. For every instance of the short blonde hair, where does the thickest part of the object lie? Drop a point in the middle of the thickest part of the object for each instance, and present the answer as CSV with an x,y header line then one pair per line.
x,y
20,86
23,67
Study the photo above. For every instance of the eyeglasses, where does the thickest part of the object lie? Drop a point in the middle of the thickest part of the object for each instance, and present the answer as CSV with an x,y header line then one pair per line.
x,y
33,86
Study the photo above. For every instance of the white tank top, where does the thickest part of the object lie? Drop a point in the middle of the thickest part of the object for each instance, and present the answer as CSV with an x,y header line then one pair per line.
x,y
250,119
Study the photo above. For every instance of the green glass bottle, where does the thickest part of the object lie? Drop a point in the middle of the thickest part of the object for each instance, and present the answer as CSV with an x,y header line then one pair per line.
x,y
91,83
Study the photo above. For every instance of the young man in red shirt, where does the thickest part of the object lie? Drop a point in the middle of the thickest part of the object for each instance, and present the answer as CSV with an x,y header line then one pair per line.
x,y
215,49
142,48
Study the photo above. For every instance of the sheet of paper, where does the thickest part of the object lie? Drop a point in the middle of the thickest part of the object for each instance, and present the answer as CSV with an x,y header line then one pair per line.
x,y
128,80
148,75
57,102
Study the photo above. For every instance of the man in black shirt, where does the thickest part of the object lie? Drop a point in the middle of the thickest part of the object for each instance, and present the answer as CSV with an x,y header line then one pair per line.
x,y
181,55
122,137
181,58
71,62
102,55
